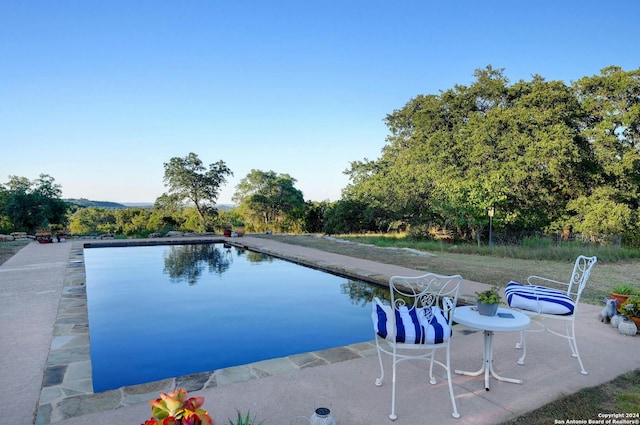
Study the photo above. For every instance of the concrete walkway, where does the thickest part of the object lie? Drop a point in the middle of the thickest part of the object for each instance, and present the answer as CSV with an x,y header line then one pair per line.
x,y
42,284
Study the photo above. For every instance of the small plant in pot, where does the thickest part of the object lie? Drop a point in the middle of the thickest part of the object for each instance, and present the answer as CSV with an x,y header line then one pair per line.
x,y
488,301
631,309
620,293
238,227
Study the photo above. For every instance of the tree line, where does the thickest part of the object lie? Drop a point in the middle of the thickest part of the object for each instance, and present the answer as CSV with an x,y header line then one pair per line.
x,y
267,201
544,156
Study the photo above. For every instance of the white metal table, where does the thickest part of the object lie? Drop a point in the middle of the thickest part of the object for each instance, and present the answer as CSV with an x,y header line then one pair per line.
x,y
505,320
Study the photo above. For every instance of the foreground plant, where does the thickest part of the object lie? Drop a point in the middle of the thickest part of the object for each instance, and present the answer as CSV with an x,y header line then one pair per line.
x,y
631,307
175,409
246,421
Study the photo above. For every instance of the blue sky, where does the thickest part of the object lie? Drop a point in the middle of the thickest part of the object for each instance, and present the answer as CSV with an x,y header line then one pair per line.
x,y
100,94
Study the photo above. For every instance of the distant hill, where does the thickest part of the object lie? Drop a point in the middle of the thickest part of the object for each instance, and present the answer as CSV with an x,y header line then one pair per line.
x,y
225,207
85,203
138,204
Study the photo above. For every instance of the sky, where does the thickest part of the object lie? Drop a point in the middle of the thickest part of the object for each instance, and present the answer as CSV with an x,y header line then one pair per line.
x,y
100,94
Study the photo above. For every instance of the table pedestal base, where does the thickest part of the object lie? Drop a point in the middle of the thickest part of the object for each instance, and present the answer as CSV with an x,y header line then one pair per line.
x,y
487,366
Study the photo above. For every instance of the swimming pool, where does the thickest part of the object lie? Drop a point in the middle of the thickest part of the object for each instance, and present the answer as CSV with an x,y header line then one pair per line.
x,y
170,310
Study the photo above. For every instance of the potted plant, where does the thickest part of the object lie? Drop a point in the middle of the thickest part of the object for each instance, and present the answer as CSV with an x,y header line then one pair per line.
x,y
621,292
487,301
176,409
631,309
43,236
226,229
238,227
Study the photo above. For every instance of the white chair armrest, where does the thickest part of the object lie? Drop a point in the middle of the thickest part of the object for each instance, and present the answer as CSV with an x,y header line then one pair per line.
x,y
543,280
447,306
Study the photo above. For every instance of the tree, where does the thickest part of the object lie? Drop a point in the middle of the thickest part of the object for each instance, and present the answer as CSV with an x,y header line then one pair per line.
x,y
600,213
450,157
48,195
349,216
267,199
166,215
189,180
133,221
32,205
93,221
314,216
611,102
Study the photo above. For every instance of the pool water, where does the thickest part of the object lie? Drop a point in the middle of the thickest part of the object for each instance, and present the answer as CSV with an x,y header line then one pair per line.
x,y
163,311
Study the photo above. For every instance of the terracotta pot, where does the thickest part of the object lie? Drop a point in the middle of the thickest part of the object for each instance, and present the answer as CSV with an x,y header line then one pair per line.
x,y
620,298
636,320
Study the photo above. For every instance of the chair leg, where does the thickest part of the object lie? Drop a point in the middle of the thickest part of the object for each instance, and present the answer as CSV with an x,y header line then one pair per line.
x,y
574,346
522,344
379,380
571,339
455,413
393,415
432,379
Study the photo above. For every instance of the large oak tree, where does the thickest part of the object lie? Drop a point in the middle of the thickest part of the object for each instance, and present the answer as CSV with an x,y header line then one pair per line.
x,y
529,149
190,181
31,205
268,199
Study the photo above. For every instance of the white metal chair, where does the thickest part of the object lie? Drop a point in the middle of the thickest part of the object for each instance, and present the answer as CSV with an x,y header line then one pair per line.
x,y
552,300
416,324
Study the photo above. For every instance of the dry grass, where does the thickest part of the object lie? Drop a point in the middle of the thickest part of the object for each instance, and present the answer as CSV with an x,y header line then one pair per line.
x,y
8,249
481,268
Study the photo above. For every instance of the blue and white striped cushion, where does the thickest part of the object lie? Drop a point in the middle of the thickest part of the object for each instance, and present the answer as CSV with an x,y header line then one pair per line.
x,y
539,299
414,325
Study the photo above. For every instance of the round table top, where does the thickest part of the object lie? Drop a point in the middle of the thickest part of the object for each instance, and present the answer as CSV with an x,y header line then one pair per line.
x,y
506,320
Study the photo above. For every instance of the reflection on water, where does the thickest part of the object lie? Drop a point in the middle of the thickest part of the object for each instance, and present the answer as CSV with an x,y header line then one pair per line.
x,y
187,262
250,256
362,293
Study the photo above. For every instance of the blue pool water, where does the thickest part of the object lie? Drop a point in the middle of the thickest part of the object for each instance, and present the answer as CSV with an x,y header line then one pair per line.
x,y
163,311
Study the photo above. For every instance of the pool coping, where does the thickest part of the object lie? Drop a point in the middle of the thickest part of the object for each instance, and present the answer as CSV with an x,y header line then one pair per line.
x,y
67,388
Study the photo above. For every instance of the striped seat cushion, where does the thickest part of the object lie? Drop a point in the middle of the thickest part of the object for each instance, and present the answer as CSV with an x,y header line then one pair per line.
x,y
414,325
539,299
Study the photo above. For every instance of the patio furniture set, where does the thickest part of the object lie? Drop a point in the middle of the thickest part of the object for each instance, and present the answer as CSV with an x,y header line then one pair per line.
x,y
418,320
